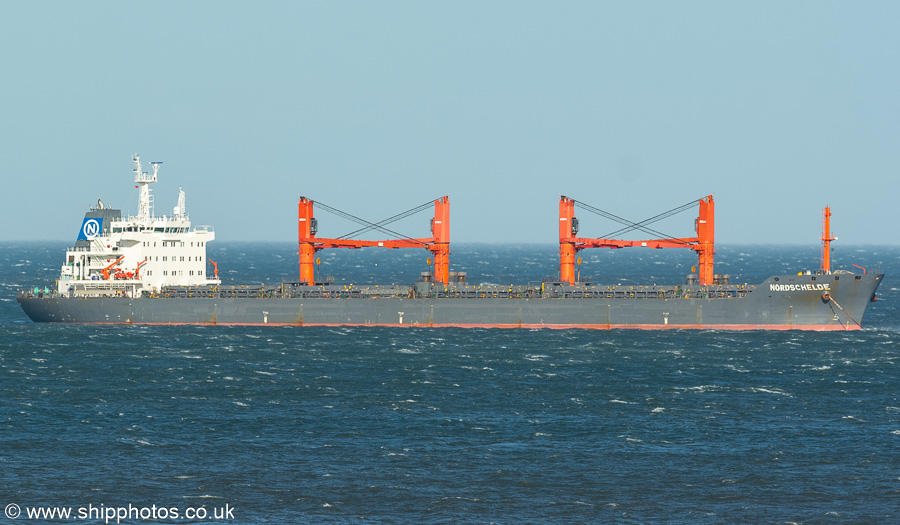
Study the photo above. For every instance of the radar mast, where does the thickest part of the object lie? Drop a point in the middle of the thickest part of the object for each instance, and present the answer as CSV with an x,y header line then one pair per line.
x,y
143,179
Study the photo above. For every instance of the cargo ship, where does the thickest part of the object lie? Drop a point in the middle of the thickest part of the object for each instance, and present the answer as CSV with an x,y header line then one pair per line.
x,y
149,269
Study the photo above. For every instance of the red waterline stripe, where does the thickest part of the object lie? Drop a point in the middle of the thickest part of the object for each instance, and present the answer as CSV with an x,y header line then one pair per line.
x,y
532,326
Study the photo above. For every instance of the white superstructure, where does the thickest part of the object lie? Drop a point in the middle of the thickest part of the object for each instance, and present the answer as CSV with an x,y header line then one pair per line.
x,y
117,255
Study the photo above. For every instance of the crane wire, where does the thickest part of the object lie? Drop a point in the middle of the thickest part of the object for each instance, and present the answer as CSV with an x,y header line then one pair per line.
x,y
656,218
373,225
642,225
389,220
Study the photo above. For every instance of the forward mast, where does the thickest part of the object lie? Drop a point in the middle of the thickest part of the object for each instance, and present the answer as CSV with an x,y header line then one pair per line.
x,y
826,240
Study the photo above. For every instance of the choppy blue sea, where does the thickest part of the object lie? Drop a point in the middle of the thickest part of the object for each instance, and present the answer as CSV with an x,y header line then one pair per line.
x,y
413,425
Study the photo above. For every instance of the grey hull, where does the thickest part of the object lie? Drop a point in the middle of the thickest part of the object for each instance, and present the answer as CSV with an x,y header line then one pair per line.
x,y
782,302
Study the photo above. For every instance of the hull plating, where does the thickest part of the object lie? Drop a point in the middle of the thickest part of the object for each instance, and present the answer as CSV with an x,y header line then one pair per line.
x,y
784,302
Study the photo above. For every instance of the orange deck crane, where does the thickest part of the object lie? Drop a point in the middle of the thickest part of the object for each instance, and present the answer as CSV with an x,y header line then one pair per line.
x,y
438,244
570,244
215,268
106,271
137,271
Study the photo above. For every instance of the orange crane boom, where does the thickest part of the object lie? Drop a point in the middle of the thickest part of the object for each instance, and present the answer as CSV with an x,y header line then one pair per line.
x,y
105,271
570,244
215,268
438,244
137,271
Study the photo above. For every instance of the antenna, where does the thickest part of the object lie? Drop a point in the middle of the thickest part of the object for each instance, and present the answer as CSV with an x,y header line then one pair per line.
x,y
145,201
179,210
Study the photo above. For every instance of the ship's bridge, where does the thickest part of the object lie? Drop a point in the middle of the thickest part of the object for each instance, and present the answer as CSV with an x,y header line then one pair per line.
x,y
117,255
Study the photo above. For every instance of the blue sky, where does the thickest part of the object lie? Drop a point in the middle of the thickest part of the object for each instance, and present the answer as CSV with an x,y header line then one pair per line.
x,y
776,108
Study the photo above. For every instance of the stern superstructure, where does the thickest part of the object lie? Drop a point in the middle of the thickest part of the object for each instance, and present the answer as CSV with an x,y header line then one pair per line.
x,y
118,255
